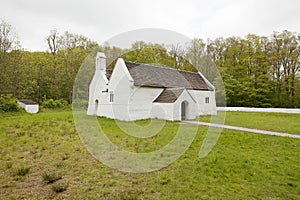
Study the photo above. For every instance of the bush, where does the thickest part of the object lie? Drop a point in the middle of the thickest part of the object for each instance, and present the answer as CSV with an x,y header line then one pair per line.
x,y
22,171
50,177
50,103
80,104
8,103
59,187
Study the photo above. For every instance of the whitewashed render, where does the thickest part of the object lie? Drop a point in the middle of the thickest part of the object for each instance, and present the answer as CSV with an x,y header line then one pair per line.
x,y
29,106
135,91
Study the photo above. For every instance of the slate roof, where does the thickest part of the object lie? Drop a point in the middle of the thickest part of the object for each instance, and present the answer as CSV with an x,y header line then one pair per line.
x,y
168,95
163,77
28,102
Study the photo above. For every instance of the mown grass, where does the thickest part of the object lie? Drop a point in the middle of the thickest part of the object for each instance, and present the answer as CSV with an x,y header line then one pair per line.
x,y
241,166
280,122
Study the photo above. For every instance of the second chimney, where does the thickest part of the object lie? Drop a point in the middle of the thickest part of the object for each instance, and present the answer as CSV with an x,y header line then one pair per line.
x,y
101,62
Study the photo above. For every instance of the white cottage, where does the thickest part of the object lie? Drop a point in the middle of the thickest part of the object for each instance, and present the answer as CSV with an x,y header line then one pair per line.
x,y
29,105
133,91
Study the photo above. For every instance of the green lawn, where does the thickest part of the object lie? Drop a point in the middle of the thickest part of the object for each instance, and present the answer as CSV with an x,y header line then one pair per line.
x,y
280,122
42,157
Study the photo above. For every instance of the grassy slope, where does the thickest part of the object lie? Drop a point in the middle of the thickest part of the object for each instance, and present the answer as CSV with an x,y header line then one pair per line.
x,y
281,122
241,166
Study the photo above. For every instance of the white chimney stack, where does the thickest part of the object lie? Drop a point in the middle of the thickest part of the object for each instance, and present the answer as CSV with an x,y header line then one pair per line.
x,y
101,62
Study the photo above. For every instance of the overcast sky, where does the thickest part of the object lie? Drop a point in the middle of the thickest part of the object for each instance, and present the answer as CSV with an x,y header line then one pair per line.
x,y
100,20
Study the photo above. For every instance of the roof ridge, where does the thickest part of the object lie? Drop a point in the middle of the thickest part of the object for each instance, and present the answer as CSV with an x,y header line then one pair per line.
x,y
162,66
175,88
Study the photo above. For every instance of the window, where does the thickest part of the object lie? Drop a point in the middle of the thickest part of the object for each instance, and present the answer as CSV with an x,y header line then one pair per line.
x,y
111,96
206,99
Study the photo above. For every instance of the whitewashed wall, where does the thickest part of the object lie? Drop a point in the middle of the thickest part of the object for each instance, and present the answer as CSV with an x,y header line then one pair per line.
x,y
97,85
100,88
120,84
205,108
132,103
32,108
191,108
162,111
172,111
21,105
141,98
29,108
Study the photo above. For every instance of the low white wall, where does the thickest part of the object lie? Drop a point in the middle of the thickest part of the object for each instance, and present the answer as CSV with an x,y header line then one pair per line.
x,y
21,105
32,108
29,108
275,110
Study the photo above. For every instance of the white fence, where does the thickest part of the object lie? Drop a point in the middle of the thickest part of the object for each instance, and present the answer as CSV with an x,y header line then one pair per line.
x,y
275,110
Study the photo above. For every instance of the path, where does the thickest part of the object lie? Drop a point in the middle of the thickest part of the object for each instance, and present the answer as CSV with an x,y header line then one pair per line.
x,y
245,129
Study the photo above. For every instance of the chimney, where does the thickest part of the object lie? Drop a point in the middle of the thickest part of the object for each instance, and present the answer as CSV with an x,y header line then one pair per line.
x,y
101,62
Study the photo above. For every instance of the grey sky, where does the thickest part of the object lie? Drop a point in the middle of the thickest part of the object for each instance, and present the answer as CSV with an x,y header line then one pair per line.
x,y
100,20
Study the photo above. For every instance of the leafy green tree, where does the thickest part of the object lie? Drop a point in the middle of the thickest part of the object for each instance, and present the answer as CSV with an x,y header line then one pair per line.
x,y
257,71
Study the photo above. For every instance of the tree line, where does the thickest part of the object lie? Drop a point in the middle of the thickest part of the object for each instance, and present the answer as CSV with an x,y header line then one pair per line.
x,y
257,71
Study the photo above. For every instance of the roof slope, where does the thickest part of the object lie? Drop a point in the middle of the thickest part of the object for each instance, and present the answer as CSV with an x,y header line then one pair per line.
x,y
164,77
168,95
28,102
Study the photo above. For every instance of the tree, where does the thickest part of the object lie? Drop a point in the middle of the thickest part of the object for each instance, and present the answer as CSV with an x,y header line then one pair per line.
x,y
71,40
8,43
142,52
52,41
198,56
284,55
178,54
73,48
8,37
257,71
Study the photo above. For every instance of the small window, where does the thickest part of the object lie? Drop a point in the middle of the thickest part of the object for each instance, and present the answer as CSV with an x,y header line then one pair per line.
x,y
111,96
206,99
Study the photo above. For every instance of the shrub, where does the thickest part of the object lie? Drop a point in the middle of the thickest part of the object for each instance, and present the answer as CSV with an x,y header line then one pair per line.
x,y
8,103
50,178
22,171
9,165
80,104
50,103
59,187
164,180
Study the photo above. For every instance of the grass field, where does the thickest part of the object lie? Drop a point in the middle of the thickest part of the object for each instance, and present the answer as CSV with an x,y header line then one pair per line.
x,y
42,157
280,122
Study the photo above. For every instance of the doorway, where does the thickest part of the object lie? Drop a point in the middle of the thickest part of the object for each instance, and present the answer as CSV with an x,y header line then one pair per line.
x,y
184,106
96,106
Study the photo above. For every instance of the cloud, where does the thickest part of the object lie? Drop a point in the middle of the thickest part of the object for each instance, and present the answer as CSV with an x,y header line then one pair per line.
x,y
100,20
